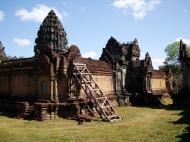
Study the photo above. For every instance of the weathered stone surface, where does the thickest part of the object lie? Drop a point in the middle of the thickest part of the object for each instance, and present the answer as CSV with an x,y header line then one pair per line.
x,y
3,56
43,81
51,33
122,57
185,62
132,76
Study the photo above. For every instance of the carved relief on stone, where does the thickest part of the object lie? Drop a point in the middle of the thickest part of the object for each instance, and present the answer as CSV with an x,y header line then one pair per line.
x,y
51,32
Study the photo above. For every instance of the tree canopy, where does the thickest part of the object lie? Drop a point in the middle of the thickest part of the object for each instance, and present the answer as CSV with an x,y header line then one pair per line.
x,y
172,55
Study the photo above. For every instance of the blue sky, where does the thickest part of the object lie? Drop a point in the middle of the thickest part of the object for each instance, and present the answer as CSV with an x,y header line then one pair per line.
x,y
90,23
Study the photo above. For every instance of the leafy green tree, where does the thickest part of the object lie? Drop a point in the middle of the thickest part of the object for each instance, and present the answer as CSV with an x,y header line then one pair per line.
x,y
172,51
171,61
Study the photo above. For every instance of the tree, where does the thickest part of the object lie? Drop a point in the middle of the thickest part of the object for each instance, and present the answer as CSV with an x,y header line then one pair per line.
x,y
171,61
172,51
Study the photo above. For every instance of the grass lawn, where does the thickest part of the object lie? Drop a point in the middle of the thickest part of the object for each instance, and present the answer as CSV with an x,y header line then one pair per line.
x,y
139,125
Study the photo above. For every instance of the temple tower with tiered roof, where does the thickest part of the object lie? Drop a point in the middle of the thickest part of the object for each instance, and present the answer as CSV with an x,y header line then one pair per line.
x,y
51,33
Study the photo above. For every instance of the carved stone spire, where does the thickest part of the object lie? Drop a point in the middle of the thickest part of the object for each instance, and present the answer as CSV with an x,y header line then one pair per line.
x,y
51,32
3,56
183,54
135,42
134,50
147,56
148,62
112,43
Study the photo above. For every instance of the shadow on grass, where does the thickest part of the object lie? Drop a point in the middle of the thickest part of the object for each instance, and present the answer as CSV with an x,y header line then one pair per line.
x,y
182,102
9,114
184,119
183,105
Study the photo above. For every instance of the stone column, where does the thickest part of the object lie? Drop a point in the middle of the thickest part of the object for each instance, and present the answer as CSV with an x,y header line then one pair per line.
x,y
55,90
51,88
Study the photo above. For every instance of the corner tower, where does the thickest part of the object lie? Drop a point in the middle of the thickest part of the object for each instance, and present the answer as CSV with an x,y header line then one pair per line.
x,y
51,33
3,56
134,50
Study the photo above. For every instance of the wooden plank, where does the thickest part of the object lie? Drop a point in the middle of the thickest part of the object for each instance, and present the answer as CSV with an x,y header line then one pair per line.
x,y
82,73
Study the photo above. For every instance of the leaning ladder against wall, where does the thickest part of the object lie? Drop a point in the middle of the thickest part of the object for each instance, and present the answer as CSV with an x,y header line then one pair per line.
x,y
83,77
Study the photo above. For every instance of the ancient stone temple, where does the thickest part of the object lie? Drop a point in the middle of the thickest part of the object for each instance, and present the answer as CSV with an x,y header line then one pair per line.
x,y
132,77
44,89
119,56
59,81
185,62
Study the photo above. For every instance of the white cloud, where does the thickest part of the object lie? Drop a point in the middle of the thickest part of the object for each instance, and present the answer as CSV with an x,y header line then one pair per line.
x,y
22,42
139,8
90,54
38,13
2,15
156,62
185,40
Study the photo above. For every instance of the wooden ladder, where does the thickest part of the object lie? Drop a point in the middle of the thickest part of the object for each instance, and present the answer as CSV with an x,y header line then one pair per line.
x,y
94,93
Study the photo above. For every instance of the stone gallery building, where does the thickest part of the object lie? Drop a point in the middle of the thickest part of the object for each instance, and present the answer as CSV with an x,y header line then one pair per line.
x,y
43,85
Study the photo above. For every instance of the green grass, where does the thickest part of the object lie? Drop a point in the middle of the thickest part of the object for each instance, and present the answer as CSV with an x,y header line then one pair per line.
x,y
139,125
